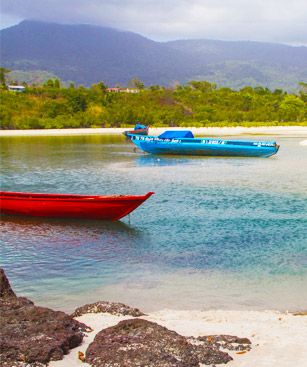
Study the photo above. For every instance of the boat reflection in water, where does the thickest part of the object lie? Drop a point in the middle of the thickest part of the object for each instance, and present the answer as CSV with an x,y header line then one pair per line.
x,y
152,160
65,224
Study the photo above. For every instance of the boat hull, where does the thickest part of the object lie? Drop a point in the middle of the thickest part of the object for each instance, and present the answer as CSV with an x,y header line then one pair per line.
x,y
69,206
204,147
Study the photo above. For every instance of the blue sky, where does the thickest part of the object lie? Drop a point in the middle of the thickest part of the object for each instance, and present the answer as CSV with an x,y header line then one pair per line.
x,y
280,21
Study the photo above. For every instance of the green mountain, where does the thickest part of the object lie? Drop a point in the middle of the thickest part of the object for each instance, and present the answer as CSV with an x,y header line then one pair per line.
x,y
86,54
241,63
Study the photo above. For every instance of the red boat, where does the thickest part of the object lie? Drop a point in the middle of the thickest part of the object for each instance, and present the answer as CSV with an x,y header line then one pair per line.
x,y
69,205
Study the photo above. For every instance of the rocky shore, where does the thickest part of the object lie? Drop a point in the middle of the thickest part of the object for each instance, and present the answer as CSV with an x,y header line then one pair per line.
x,y
118,309
110,334
33,336
137,342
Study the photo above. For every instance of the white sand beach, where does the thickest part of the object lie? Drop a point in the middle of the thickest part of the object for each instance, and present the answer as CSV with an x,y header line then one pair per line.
x,y
278,339
205,131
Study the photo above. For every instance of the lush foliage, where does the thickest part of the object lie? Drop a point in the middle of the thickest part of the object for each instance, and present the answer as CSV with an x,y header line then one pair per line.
x,y
199,103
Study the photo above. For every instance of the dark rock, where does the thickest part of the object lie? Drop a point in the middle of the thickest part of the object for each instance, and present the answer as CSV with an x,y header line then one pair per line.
x,y
5,287
118,309
22,364
138,342
228,342
223,339
32,334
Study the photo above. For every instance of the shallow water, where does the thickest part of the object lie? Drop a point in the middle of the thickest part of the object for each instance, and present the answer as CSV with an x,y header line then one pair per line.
x,y
218,233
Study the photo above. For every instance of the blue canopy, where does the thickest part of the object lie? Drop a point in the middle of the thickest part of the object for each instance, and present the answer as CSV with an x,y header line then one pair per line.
x,y
172,134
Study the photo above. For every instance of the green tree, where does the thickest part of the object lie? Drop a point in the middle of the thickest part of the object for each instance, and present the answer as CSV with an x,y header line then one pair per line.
x,y
57,84
303,91
49,83
103,87
291,108
136,83
3,72
77,100
203,86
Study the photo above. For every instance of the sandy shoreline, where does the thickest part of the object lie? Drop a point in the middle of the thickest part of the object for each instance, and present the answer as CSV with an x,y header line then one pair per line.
x,y
264,130
278,339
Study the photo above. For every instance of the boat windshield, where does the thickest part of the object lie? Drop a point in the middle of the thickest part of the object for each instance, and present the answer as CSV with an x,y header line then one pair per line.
x,y
139,126
176,134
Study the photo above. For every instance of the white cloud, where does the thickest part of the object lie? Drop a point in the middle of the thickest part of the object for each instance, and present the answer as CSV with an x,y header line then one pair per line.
x,y
263,20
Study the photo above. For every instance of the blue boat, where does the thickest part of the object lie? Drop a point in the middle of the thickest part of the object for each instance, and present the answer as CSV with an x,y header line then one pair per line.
x,y
183,142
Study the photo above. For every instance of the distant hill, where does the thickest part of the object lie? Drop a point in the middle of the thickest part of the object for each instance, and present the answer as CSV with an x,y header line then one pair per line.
x,y
87,54
29,77
240,63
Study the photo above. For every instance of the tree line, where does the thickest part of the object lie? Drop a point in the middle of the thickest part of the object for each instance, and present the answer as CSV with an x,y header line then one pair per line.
x,y
198,103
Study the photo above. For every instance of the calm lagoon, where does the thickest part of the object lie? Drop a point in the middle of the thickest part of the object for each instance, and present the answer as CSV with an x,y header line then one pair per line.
x,y
227,233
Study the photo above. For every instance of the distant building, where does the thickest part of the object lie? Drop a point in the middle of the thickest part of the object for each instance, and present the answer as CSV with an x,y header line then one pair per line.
x,y
16,88
123,90
113,90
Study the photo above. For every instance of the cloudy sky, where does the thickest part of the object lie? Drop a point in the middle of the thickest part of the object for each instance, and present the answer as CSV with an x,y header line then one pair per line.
x,y
283,21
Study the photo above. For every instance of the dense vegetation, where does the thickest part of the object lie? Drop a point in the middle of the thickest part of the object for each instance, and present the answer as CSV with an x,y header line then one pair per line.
x,y
195,104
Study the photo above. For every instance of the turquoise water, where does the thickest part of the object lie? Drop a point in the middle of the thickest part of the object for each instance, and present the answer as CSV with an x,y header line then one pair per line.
x,y
218,233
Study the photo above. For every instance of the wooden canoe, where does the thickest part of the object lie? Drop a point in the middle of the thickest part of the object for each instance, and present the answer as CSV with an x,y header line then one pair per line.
x,y
70,205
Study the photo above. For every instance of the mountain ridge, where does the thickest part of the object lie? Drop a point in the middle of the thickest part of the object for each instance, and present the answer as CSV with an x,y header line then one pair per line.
x,y
87,54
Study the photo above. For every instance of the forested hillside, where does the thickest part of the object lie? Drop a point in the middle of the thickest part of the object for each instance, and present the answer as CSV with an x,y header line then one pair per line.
x,y
86,54
199,103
